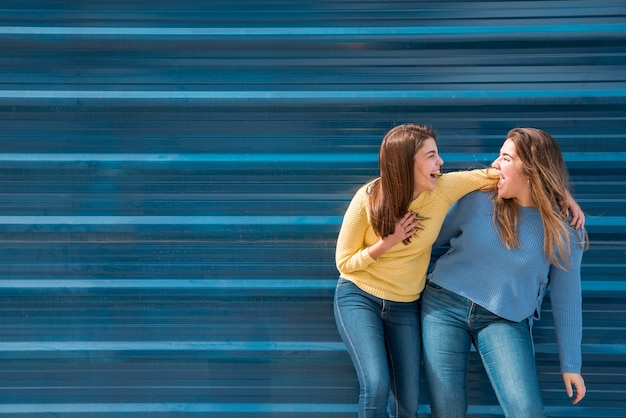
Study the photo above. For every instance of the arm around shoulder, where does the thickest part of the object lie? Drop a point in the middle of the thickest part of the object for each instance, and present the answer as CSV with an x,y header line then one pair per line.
x,y
457,184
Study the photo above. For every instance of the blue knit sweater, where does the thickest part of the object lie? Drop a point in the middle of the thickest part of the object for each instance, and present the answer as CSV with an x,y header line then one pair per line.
x,y
511,282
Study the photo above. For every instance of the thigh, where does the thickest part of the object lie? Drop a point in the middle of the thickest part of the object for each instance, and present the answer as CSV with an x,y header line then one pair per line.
x,y
446,344
506,349
358,319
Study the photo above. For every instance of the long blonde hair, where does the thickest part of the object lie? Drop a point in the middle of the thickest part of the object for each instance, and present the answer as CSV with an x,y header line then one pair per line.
x,y
392,193
548,180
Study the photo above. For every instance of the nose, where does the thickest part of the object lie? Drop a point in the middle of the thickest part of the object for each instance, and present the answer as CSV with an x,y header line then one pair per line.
x,y
440,162
496,163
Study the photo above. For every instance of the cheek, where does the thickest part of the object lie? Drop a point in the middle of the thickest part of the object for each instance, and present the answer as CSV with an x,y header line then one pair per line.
x,y
510,171
516,179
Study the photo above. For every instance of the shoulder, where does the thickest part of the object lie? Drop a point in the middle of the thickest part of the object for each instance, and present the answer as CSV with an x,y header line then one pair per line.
x,y
360,200
363,192
578,238
473,208
477,199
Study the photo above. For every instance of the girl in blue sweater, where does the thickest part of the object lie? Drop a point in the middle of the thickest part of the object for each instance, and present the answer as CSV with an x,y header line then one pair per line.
x,y
506,248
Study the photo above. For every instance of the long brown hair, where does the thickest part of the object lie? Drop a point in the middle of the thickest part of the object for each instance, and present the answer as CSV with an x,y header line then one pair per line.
x,y
548,181
392,193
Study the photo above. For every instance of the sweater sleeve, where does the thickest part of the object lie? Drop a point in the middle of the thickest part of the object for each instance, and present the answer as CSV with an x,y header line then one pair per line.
x,y
351,252
566,298
457,184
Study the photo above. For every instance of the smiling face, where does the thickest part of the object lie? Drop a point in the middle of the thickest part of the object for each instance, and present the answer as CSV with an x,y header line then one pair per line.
x,y
426,167
513,182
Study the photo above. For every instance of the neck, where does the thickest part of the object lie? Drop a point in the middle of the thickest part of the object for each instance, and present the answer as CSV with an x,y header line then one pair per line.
x,y
416,193
526,201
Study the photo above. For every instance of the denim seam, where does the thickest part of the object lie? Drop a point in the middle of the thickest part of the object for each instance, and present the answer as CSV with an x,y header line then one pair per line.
x,y
356,356
392,378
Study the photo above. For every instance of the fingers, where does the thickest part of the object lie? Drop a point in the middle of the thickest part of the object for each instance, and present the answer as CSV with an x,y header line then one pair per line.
x,y
581,391
578,219
578,216
406,218
579,384
578,398
410,223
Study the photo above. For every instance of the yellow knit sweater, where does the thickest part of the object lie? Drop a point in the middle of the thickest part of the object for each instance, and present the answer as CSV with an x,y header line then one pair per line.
x,y
399,274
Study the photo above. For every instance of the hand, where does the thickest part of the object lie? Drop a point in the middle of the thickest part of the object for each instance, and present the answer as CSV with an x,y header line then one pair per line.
x,y
578,216
579,383
405,228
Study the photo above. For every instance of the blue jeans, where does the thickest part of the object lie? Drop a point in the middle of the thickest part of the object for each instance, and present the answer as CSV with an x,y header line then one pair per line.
x,y
450,325
383,341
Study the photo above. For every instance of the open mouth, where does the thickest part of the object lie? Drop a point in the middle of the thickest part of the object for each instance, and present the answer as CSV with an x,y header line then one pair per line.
x,y
500,178
436,175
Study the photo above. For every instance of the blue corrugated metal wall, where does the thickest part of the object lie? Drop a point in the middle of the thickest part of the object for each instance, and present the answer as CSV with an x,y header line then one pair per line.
x,y
174,173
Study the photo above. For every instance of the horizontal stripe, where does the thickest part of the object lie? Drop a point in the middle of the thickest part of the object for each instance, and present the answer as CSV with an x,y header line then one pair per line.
x,y
222,346
578,29
158,284
492,93
148,407
170,220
